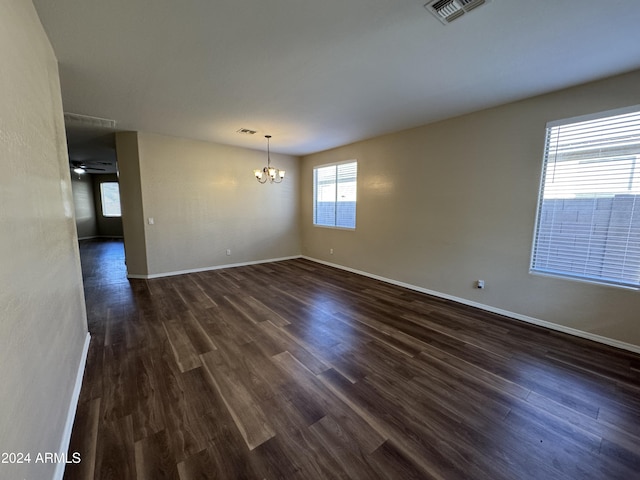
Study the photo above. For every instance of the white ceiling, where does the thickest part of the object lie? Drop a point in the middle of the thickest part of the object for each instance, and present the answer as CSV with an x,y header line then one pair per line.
x,y
321,74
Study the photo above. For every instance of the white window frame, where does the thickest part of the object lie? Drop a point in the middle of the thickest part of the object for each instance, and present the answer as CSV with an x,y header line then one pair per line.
x,y
594,164
354,194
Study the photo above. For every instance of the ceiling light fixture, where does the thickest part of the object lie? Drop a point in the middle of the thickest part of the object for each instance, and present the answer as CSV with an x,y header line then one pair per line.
x,y
269,173
78,167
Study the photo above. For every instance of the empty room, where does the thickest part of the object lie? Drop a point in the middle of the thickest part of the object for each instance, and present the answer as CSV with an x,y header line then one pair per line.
x,y
292,240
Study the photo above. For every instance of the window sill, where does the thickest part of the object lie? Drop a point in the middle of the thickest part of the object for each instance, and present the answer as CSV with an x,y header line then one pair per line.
x,y
351,229
593,281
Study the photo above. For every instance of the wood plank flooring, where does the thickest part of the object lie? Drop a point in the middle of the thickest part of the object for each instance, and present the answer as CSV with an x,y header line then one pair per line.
x,y
295,370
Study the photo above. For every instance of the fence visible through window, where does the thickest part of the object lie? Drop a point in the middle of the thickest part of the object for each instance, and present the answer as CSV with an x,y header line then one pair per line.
x,y
588,223
334,195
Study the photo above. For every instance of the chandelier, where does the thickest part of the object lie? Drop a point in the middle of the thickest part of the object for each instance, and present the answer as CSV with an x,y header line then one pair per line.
x,y
272,174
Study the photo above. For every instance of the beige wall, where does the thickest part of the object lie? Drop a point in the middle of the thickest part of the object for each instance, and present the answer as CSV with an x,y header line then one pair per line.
x,y
85,209
204,200
88,207
445,204
42,313
131,203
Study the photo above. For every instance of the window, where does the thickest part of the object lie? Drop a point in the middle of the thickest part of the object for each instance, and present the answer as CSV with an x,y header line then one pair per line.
x,y
588,223
110,196
334,195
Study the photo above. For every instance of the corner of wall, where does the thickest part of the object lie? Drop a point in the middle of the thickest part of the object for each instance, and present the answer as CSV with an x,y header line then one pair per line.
x,y
127,150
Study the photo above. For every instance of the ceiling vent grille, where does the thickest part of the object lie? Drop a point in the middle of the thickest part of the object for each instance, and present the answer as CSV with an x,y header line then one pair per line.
x,y
246,131
88,121
448,10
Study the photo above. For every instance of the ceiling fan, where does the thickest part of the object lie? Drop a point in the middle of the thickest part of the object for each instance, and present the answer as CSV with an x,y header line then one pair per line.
x,y
81,167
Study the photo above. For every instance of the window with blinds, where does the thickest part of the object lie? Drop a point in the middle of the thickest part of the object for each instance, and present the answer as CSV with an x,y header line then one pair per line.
x,y
334,195
588,222
110,199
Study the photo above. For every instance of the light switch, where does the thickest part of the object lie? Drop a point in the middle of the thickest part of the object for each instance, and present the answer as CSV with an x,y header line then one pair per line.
x,y
151,221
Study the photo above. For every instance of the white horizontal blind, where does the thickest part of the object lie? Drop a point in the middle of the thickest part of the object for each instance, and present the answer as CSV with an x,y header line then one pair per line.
x,y
110,199
334,195
588,223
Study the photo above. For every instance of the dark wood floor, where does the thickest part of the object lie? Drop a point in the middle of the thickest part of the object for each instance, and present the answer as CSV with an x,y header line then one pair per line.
x,y
299,371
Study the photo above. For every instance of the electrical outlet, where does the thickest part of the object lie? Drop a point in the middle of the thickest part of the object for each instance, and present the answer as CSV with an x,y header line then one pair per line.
x,y
331,251
480,284
228,251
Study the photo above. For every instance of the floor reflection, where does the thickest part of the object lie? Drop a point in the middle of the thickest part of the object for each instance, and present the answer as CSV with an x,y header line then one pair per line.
x,y
103,262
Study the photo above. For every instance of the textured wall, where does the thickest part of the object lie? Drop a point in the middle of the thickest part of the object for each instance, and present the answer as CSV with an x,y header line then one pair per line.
x,y
445,204
42,313
85,209
204,200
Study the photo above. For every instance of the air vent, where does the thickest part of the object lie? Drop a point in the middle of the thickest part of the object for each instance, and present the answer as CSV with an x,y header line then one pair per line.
x,y
448,10
86,120
246,131
469,5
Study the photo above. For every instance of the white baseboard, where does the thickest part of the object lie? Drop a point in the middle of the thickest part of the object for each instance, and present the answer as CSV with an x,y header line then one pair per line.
x,y
101,236
516,316
206,269
71,414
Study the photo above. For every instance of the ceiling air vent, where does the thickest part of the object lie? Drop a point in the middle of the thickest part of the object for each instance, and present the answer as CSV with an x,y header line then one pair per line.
x,y
448,10
246,131
88,121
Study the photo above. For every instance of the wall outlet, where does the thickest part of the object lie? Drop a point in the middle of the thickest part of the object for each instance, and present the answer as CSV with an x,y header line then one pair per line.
x,y
331,251
228,251
480,284
151,221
